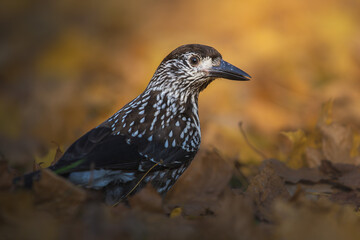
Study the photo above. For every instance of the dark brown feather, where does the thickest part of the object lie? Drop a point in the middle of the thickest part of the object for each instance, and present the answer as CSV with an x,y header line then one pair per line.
x,y
202,50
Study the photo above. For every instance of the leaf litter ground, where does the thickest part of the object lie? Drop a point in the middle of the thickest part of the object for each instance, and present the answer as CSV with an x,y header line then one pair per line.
x,y
312,194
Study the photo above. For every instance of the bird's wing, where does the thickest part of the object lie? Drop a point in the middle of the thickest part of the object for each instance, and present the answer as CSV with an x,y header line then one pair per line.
x,y
168,157
100,149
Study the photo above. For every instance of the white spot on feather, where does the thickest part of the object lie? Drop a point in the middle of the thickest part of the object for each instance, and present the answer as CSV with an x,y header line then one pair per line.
x,y
135,133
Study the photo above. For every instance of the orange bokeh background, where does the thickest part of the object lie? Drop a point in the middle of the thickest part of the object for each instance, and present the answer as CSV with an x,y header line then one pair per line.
x,y
68,65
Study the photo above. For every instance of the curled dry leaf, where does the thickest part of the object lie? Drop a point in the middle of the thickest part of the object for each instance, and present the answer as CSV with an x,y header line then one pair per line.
x,y
337,143
328,140
200,186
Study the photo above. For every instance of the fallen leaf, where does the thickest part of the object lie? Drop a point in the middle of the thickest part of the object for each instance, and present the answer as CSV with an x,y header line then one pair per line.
x,y
294,175
337,143
176,212
351,178
328,169
58,153
314,156
296,158
57,195
234,219
202,183
6,176
264,188
48,159
350,197
147,199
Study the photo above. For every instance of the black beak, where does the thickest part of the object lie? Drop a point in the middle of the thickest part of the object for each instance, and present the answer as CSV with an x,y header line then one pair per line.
x,y
228,71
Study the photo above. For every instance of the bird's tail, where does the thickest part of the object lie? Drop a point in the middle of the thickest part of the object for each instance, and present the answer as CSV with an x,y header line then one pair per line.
x,y
27,180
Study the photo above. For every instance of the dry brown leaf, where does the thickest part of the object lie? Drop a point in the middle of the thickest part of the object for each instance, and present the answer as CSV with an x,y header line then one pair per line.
x,y
264,188
58,154
294,175
337,143
147,199
57,195
6,176
328,169
351,178
234,219
314,156
348,197
200,186
345,175
329,140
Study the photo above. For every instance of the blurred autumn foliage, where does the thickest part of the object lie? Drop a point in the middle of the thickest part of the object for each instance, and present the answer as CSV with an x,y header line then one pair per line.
x,y
65,66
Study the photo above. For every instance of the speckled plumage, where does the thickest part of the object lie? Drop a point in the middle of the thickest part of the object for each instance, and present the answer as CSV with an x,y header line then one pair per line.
x,y
161,126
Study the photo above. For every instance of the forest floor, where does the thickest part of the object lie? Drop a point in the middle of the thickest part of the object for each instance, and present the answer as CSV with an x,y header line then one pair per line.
x,y
314,194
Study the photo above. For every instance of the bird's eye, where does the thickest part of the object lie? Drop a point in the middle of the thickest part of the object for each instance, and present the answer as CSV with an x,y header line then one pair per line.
x,y
194,61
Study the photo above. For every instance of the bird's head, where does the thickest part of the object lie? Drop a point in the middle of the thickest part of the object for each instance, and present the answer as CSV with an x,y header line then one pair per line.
x,y
191,67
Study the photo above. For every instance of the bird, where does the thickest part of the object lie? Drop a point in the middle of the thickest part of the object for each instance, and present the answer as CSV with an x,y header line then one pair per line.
x,y
154,137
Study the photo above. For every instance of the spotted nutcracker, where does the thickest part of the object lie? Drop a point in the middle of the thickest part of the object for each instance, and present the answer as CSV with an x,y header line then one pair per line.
x,y
153,138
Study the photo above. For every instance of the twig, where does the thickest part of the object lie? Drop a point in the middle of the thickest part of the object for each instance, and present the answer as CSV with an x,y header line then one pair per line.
x,y
249,144
137,184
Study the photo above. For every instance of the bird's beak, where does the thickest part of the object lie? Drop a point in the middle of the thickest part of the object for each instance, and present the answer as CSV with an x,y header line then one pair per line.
x,y
228,71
